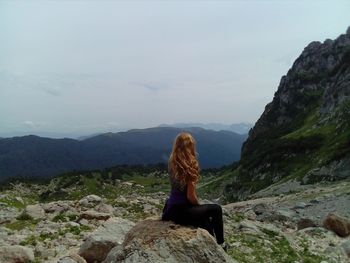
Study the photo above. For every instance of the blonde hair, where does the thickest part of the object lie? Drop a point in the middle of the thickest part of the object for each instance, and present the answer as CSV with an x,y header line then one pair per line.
x,y
183,164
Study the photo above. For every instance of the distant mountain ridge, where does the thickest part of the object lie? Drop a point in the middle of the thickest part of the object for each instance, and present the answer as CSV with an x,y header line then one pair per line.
x,y
304,133
39,157
241,128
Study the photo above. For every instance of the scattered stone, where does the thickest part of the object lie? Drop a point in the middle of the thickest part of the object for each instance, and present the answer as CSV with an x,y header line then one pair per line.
x,y
16,254
337,224
300,205
104,238
71,258
315,201
305,223
260,209
57,206
90,201
34,211
247,226
91,214
104,208
159,241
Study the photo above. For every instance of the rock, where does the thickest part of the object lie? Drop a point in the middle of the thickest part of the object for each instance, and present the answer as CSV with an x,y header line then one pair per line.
x,y
260,209
112,255
8,214
19,199
34,211
300,205
305,223
71,258
104,208
90,201
346,247
315,201
58,206
159,241
104,238
91,214
247,226
16,254
337,224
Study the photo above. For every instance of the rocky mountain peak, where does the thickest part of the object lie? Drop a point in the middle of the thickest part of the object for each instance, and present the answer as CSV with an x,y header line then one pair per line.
x,y
306,125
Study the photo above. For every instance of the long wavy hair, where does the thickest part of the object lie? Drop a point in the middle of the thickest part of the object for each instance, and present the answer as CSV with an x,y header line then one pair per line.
x,y
183,164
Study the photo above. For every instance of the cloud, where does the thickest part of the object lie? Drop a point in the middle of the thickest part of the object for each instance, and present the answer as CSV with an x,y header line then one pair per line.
x,y
30,124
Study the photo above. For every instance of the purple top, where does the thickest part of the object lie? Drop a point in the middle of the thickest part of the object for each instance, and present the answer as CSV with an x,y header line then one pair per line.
x,y
178,195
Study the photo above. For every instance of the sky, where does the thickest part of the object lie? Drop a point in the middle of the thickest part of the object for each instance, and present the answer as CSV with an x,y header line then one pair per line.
x,y
81,67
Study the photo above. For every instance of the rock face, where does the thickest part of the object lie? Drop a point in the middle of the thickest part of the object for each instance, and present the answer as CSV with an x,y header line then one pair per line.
x,y
106,236
304,131
339,225
157,241
16,254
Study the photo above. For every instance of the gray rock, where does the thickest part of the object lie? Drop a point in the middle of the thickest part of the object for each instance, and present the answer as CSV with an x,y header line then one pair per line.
x,y
34,211
104,238
91,214
90,201
158,241
104,208
71,258
58,206
300,205
16,254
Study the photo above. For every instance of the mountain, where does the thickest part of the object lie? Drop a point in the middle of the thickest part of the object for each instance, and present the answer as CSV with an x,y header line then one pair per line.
x,y
303,135
33,156
241,128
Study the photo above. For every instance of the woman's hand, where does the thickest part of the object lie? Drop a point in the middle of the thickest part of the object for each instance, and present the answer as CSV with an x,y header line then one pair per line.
x,y
191,193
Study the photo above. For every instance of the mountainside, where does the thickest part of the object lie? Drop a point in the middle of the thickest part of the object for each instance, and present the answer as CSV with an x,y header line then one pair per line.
x,y
304,133
38,157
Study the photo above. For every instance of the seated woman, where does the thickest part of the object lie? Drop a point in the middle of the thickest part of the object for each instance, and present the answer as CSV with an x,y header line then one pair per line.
x,y
182,206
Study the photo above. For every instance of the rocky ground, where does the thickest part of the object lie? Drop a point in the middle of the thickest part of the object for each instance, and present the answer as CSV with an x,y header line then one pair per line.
x,y
275,226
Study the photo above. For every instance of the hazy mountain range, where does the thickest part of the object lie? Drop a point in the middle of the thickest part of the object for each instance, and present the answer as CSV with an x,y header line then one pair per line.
x,y
241,128
37,156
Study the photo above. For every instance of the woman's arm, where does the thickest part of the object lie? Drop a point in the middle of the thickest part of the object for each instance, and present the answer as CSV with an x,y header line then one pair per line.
x,y
191,193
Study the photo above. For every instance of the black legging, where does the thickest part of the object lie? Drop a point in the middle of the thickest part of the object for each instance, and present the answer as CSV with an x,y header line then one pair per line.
x,y
207,216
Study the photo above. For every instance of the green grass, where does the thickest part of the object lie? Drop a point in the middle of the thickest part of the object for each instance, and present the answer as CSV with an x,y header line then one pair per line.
x,y
269,247
12,202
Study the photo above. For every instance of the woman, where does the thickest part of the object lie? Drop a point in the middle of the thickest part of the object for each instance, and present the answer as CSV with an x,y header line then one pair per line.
x,y
182,206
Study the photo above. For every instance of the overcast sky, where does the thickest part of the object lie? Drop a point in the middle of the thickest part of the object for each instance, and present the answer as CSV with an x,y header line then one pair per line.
x,y
90,66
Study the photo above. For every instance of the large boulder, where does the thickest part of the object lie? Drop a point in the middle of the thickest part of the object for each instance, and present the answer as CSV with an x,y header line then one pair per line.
x,y
337,224
111,233
16,254
156,241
